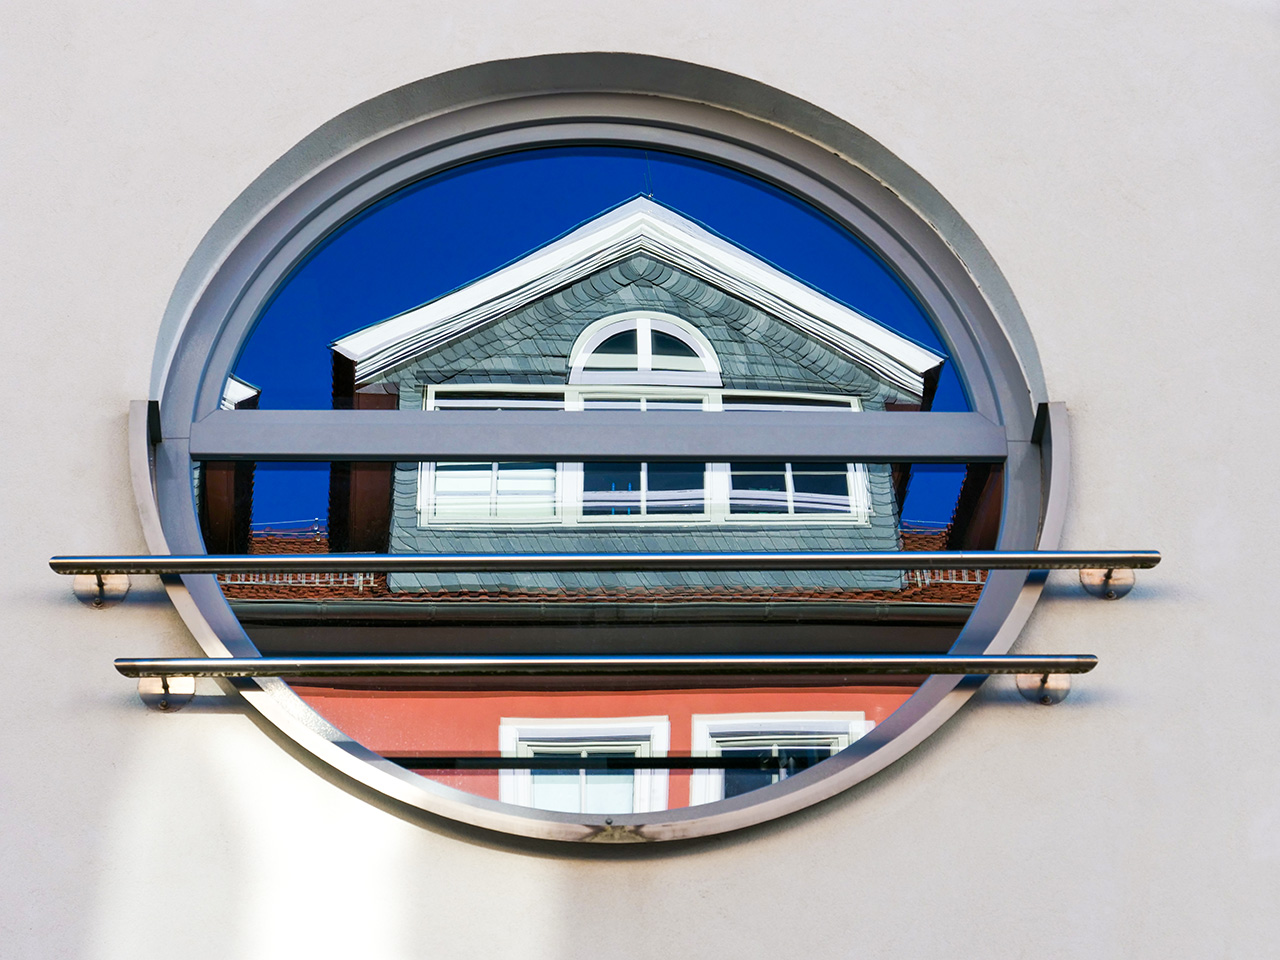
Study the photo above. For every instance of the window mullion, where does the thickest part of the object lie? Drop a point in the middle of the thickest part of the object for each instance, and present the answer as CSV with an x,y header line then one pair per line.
x,y
718,491
644,345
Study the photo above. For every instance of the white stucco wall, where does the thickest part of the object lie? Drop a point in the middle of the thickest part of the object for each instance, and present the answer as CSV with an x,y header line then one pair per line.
x,y
1119,161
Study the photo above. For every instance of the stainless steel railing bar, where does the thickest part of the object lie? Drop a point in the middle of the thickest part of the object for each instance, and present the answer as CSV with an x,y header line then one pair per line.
x,y
859,664
639,562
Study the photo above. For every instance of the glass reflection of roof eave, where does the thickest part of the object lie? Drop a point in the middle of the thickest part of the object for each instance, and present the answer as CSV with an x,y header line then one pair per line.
x,y
640,225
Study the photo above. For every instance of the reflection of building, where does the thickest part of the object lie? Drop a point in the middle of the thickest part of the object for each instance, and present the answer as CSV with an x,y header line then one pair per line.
x,y
638,309
225,488
787,729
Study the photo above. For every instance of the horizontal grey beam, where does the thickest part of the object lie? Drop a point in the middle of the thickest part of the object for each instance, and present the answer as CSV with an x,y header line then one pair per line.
x,y
506,562
861,664
595,435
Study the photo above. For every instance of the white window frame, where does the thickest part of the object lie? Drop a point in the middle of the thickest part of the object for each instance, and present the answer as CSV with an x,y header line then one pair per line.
x,y
574,397
427,501
717,488
645,323
710,730
859,486
533,396
575,487
517,736
569,475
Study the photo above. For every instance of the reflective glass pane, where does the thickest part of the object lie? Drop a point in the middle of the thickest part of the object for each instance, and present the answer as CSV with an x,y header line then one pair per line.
x,y
740,780
599,402
442,233
525,490
615,353
750,401
665,345
610,791
556,789
497,400
758,488
672,353
675,488
611,489
668,403
792,760
778,760
619,343
462,491
430,242
820,487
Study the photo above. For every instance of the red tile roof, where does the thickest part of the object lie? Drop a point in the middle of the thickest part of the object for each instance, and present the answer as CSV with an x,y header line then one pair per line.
x,y
932,587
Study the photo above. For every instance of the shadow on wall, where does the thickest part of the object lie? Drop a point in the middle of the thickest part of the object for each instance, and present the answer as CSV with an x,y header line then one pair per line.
x,y
217,846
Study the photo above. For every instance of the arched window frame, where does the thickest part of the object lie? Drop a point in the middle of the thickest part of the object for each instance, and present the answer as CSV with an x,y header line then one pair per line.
x,y
645,323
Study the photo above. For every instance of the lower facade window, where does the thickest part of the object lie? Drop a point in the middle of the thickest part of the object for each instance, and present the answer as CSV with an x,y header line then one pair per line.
x,y
773,747
568,774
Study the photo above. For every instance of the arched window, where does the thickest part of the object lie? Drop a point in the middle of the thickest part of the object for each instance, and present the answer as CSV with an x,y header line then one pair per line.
x,y
644,348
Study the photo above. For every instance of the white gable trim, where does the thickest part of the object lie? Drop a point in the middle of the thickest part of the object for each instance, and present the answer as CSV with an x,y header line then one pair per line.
x,y
236,391
639,226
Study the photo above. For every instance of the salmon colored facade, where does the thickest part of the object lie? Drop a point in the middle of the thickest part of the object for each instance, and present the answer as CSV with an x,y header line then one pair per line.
x,y
416,723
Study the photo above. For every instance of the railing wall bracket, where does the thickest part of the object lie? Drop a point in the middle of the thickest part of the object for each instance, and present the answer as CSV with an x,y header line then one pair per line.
x,y
100,590
1111,584
1044,688
166,694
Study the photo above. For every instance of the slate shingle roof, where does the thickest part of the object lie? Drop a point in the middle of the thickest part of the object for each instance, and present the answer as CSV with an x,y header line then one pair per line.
x,y
531,345
376,588
880,534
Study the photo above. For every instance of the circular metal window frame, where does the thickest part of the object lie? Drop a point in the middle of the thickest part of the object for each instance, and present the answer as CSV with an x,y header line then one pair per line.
x,y
493,109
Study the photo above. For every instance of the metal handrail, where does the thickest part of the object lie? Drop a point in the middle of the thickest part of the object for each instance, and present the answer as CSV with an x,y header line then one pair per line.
x,y
639,562
631,665
595,762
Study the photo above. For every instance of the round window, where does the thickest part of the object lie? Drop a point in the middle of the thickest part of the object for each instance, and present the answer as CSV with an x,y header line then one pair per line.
x,y
600,329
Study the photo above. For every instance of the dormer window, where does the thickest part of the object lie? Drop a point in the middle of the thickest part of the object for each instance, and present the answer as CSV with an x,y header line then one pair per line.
x,y
644,349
